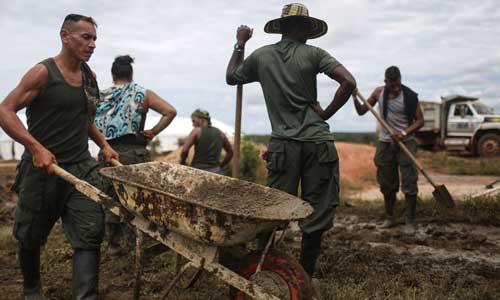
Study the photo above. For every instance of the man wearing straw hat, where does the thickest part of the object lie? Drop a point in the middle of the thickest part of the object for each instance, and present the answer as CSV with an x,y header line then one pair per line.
x,y
301,149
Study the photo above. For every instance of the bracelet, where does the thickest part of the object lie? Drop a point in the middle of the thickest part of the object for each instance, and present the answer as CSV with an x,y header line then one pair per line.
x,y
404,133
237,48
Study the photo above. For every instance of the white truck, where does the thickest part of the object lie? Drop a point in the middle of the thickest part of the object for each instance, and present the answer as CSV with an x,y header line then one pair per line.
x,y
460,123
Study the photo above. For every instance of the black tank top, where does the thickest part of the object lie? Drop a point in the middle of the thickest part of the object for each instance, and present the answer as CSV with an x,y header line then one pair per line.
x,y
207,148
57,118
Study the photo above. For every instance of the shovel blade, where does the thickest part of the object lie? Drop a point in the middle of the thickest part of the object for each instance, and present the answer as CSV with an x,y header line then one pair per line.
x,y
442,196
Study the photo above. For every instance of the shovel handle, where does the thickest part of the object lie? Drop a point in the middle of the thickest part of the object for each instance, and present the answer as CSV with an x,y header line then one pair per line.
x,y
391,131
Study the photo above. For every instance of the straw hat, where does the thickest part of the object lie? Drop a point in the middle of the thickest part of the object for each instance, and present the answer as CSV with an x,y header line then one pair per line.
x,y
318,27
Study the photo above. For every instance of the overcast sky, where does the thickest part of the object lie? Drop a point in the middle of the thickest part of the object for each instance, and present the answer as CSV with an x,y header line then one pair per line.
x,y
182,48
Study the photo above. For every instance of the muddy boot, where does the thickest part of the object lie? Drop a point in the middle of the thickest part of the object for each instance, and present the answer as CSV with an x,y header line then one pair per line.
x,y
316,291
29,261
86,274
389,201
113,231
411,208
310,250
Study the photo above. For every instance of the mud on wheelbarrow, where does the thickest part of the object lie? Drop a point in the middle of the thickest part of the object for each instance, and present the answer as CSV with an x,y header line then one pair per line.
x,y
199,214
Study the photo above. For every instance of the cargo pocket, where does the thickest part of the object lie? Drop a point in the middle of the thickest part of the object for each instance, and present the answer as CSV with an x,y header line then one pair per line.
x,y
30,185
383,154
275,157
327,159
17,181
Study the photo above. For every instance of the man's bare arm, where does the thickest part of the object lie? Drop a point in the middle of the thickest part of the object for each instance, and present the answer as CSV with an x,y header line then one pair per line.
x,y
347,85
167,111
195,133
226,145
27,90
361,108
243,34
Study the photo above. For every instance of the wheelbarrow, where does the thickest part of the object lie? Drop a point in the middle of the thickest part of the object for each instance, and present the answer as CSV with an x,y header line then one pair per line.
x,y
199,214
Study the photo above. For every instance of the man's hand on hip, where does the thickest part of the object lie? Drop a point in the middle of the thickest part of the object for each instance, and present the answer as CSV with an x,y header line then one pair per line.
x,y
317,108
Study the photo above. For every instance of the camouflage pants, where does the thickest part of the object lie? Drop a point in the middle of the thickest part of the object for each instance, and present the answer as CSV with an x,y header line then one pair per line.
x,y
43,199
389,157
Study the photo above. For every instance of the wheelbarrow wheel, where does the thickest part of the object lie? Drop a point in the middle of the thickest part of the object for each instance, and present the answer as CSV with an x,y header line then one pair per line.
x,y
280,275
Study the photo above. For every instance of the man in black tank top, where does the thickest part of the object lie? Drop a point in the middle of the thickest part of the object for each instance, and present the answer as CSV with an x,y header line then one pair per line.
x,y
59,95
208,142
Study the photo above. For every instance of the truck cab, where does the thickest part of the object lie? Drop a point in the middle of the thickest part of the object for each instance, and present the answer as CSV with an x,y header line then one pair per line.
x,y
460,123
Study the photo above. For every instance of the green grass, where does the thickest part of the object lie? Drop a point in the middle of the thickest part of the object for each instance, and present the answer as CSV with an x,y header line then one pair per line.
x,y
351,137
481,211
446,163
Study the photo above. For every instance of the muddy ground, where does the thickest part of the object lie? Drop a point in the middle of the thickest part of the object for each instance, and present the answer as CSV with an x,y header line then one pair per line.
x,y
454,255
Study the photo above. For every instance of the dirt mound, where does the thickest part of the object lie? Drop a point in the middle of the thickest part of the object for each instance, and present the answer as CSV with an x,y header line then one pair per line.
x,y
356,164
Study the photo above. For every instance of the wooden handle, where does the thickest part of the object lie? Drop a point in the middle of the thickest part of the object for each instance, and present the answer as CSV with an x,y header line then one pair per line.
x,y
66,175
237,129
116,163
237,132
391,131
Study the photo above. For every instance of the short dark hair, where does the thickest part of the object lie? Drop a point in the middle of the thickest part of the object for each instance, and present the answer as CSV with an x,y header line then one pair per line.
x,y
122,67
392,73
71,19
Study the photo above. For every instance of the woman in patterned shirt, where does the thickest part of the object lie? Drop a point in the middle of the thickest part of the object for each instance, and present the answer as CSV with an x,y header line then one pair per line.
x,y
121,115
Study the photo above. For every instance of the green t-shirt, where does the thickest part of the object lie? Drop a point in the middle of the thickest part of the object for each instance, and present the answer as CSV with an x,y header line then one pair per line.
x,y
287,73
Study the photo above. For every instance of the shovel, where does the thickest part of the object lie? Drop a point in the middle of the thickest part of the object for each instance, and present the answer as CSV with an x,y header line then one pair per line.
x,y
440,193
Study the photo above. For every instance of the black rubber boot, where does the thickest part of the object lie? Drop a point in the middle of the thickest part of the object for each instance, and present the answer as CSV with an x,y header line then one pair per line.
x,y
29,260
114,233
310,250
86,274
390,202
411,208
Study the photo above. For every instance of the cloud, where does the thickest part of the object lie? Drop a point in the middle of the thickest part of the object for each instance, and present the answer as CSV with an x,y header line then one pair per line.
x,y
182,48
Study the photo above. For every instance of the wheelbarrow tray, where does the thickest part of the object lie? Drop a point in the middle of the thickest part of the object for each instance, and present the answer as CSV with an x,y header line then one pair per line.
x,y
203,206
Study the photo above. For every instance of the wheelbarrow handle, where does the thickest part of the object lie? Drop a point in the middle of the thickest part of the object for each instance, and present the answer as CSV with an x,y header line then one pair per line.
x,y
71,178
116,163
67,176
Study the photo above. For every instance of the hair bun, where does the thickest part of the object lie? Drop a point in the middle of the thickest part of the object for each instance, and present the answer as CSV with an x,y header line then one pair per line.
x,y
124,60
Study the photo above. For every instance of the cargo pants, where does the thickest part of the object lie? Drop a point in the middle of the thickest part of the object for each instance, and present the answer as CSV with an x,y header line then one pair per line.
x,y
313,165
43,199
388,158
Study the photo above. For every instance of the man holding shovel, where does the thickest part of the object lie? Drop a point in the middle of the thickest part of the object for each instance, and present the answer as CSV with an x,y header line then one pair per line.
x,y
60,96
400,108
301,149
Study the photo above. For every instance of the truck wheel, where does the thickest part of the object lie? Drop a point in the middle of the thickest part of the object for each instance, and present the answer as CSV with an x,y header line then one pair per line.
x,y
489,145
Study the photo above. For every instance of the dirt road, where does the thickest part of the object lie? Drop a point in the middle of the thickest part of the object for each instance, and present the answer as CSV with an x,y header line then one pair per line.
x,y
460,187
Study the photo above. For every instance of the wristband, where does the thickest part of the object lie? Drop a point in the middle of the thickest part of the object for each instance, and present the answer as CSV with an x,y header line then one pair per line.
x,y
237,48
404,133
